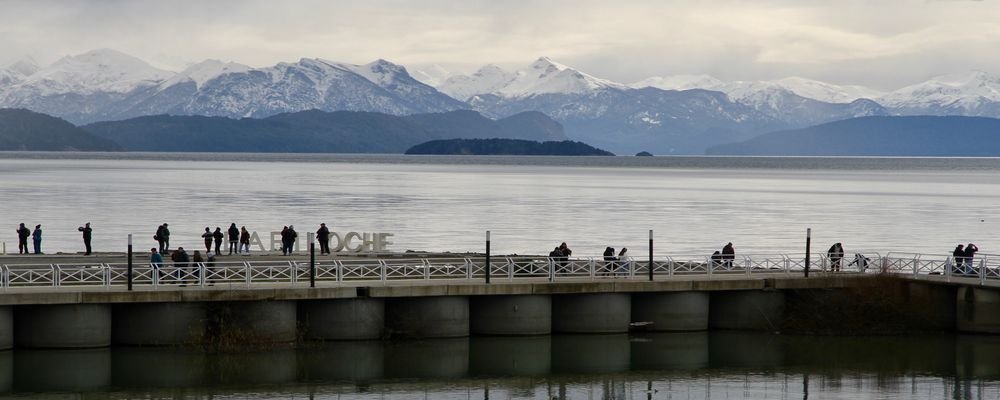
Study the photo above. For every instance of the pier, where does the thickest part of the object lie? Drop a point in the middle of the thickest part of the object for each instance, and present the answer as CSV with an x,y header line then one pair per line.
x,y
81,302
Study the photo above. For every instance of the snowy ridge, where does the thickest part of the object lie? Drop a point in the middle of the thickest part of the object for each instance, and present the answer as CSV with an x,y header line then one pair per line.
x,y
203,72
679,82
95,71
963,91
543,76
433,75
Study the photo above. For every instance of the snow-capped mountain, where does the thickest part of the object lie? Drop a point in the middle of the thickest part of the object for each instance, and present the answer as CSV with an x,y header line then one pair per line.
x,y
749,90
432,75
203,72
488,79
96,71
974,93
680,82
543,76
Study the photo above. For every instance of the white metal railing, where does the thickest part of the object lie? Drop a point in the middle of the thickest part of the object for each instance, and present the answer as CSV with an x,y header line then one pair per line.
x,y
339,271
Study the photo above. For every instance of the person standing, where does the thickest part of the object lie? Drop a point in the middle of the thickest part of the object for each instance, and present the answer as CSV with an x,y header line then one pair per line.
x,y
564,253
22,239
284,240
155,259
623,260
218,235
323,237
36,238
244,240
970,253
163,237
234,239
292,235
728,255
207,236
87,235
959,257
835,254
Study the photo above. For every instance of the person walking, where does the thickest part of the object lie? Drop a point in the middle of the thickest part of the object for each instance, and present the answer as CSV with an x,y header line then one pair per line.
x,y
207,236
244,240
88,234
36,238
162,237
22,239
728,255
219,236
835,254
323,237
234,239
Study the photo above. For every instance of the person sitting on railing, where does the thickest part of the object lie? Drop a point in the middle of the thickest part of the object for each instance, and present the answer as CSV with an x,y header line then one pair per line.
x,y
959,257
728,255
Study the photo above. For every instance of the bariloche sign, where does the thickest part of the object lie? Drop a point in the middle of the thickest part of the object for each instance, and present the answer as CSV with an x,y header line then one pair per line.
x,y
351,242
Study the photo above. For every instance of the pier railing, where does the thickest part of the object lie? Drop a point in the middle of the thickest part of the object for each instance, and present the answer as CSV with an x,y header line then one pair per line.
x,y
249,274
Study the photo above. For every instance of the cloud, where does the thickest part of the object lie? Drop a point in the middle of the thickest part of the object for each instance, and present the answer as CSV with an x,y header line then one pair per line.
x,y
625,40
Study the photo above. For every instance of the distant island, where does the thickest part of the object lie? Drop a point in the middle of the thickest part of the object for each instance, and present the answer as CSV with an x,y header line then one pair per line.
x,y
506,147
927,136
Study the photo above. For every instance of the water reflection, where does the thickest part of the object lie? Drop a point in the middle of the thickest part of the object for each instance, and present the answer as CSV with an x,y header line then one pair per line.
x,y
704,365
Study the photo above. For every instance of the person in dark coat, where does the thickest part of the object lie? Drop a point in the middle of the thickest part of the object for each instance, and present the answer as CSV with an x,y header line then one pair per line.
x,y
716,259
22,239
959,256
564,253
728,255
284,240
244,240
162,237
292,235
323,237
970,253
835,254
36,238
218,236
207,236
87,235
234,239
609,254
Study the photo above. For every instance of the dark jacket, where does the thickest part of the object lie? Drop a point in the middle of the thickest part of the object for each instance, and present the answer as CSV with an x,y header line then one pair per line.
x,y
245,237
234,233
323,234
23,233
218,235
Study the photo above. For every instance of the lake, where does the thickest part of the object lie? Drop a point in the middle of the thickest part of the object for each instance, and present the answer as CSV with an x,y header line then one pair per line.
x,y
695,205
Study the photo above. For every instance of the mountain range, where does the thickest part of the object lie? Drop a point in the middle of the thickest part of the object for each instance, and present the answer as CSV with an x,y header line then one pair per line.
x,y
683,114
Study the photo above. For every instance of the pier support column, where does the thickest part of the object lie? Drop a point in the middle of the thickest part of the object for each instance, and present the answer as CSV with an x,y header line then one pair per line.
x,y
342,319
511,315
672,311
6,327
747,309
978,310
427,317
63,326
258,321
158,324
591,313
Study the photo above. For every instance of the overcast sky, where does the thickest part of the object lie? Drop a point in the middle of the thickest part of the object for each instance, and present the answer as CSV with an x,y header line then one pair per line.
x,y
883,44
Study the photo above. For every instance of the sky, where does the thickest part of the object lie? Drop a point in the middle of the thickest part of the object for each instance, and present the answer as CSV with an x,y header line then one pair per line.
x,y
883,44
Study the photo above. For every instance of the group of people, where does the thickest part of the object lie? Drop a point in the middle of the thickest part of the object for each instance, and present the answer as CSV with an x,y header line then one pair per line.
x,y
963,256
180,259
239,239
561,254
23,233
725,257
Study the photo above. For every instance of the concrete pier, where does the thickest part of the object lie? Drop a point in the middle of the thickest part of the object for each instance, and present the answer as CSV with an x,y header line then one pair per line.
x,y
978,310
591,313
672,311
63,326
6,327
158,324
511,315
342,319
427,317
258,321
747,309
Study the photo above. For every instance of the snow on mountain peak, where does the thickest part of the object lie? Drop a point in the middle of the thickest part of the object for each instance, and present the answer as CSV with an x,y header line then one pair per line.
x,y
545,76
433,75
488,79
26,66
822,91
205,71
102,70
679,82
964,91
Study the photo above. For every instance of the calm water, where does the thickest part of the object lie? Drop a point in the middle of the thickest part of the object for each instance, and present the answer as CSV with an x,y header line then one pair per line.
x,y
694,204
717,365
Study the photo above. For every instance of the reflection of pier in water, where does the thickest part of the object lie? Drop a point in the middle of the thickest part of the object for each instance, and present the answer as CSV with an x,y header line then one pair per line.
x,y
681,365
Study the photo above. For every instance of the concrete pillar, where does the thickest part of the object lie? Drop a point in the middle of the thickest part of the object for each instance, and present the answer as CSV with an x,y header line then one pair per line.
x,y
427,359
670,351
590,354
259,322
6,327
427,317
357,361
978,310
159,367
591,313
510,356
342,319
77,370
63,326
158,324
747,309
511,315
671,311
